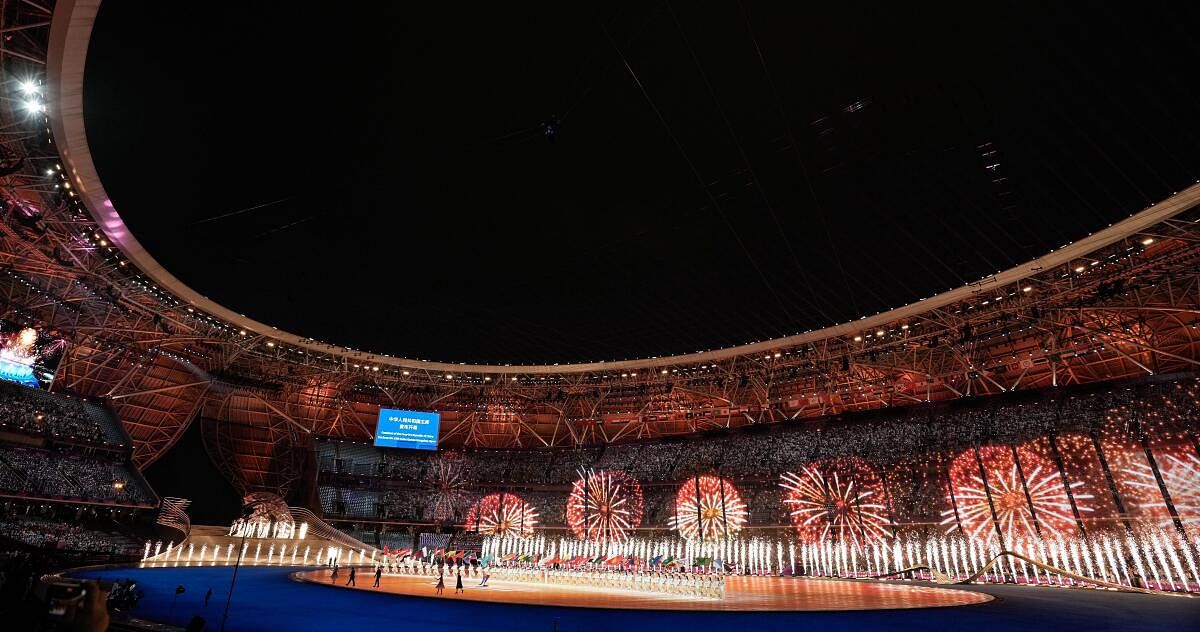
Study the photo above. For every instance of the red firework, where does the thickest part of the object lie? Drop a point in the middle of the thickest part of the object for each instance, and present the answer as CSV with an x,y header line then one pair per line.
x,y
505,515
446,489
708,508
1179,468
840,500
604,506
1011,498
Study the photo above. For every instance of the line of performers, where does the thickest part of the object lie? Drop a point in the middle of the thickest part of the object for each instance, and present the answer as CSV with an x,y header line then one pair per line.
x,y
710,586
649,580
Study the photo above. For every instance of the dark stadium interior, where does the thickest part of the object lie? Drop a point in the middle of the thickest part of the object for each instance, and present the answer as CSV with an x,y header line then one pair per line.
x,y
553,317
812,164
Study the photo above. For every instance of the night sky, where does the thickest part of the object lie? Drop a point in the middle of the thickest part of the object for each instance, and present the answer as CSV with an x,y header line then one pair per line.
x,y
378,176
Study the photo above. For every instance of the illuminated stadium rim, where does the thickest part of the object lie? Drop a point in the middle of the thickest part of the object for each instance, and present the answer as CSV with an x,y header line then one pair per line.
x,y
70,34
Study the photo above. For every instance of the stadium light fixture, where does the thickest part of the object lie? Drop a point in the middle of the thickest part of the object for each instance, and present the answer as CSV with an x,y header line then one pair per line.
x,y
33,107
1147,241
28,87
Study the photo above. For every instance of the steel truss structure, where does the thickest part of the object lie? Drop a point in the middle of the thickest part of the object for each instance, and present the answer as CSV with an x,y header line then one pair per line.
x,y
1120,303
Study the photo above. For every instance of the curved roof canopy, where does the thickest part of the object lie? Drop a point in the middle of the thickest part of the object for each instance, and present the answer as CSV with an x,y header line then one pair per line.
x,y
1120,303
68,60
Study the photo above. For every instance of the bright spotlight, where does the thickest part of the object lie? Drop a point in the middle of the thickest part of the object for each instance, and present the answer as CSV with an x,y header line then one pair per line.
x,y
28,87
33,107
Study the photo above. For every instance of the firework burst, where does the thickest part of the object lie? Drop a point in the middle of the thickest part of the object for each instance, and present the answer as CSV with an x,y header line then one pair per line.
x,y
504,515
604,506
1181,476
708,508
1049,499
445,486
839,501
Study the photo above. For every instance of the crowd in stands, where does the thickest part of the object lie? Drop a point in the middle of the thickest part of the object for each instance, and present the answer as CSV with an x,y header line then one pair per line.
x,y
753,457
63,535
61,447
60,417
70,497
55,474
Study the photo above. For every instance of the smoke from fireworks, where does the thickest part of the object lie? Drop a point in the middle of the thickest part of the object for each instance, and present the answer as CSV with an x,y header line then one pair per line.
x,y
604,506
708,508
504,515
839,500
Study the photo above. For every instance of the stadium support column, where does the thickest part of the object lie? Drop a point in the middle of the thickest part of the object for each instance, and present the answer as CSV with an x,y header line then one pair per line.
x,y
858,511
1138,431
1112,484
1066,483
587,505
887,495
1037,526
724,517
987,492
954,506
944,465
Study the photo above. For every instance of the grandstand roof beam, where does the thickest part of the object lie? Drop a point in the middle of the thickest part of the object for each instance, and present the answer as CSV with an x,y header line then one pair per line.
x,y
161,389
69,38
282,414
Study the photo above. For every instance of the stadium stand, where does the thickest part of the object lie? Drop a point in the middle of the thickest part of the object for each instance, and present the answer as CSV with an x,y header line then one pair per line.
x,y
1160,412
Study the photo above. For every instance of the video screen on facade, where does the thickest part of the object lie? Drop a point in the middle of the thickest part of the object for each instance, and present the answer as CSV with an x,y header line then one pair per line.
x,y
413,429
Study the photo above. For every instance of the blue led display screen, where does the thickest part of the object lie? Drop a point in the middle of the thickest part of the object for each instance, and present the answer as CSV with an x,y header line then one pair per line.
x,y
407,429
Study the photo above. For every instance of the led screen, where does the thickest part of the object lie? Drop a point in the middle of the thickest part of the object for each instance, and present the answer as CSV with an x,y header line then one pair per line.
x,y
28,356
407,429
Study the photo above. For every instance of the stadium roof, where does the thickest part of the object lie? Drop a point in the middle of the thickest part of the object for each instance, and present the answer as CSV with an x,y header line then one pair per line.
x,y
717,177
1122,302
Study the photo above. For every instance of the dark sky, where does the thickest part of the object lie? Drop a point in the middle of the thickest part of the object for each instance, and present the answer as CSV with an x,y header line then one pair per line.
x,y
377,176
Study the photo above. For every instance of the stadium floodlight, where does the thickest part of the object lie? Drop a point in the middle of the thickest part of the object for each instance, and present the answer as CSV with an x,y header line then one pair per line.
x,y
28,87
33,107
